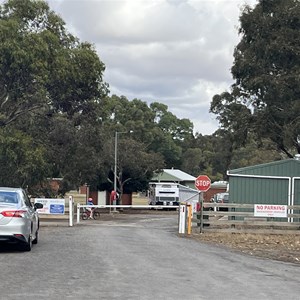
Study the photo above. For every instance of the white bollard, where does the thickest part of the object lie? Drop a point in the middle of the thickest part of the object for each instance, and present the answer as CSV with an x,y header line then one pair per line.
x,y
78,213
71,211
182,218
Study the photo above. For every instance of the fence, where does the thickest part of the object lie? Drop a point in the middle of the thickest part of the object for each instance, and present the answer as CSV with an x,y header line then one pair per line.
x,y
111,208
231,217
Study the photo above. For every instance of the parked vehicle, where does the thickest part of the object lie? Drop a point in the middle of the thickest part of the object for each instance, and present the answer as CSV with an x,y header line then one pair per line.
x,y
170,194
19,221
222,198
166,194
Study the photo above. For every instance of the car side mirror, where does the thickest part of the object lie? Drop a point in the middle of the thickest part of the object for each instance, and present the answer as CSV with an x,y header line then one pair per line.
x,y
38,205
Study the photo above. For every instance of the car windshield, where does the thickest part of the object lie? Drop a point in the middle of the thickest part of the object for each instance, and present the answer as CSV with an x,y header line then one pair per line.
x,y
8,198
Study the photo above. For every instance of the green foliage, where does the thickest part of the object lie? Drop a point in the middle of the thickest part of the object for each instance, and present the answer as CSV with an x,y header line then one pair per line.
x,y
264,99
252,154
50,83
42,66
57,120
206,156
136,165
178,129
22,161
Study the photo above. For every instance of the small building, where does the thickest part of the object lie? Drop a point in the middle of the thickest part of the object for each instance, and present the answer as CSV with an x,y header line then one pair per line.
x,y
275,183
215,188
180,177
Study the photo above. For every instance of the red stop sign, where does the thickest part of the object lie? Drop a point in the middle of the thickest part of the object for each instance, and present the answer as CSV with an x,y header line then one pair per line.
x,y
202,183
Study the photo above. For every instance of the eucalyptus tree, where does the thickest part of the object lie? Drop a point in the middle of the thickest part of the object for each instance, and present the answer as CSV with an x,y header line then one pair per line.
x,y
42,65
22,160
170,134
264,99
203,157
50,83
52,94
135,164
156,127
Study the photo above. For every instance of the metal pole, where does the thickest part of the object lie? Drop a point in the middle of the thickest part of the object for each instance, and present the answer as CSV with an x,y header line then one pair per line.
x,y
116,163
86,193
115,171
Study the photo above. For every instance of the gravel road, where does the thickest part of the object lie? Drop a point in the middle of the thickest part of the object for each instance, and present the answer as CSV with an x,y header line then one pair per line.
x,y
138,257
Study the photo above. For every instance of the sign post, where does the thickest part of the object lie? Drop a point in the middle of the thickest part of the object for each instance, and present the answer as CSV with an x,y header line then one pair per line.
x,y
202,183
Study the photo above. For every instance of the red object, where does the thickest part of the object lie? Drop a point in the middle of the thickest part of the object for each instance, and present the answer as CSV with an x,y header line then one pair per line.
x,y
202,183
13,213
113,196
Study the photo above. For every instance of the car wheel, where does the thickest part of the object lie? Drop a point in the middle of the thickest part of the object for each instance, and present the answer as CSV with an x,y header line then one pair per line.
x,y
27,245
35,241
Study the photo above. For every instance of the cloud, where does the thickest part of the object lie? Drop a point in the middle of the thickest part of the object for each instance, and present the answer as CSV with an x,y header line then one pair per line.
x,y
177,52
132,21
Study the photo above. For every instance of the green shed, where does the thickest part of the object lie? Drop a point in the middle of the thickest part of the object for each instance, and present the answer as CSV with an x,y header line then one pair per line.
x,y
275,183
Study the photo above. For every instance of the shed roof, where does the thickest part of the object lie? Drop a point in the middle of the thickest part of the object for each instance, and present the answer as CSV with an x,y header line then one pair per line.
x,y
287,167
173,175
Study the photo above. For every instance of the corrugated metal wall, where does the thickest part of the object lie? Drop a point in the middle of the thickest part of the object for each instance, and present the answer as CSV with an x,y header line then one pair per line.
x,y
258,190
297,192
250,185
266,184
297,196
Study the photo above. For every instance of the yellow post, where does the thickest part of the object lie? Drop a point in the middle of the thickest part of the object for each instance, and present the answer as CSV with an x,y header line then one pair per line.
x,y
189,206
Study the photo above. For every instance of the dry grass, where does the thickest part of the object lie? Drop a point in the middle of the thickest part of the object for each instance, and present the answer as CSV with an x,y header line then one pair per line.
x,y
272,246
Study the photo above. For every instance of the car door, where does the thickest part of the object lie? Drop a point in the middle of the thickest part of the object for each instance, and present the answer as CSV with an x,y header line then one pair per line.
x,y
31,212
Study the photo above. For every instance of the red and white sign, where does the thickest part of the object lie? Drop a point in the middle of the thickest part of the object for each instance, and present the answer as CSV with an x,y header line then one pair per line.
x,y
202,183
270,210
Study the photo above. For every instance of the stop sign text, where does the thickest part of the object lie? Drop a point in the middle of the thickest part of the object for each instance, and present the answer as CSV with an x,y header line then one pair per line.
x,y
202,183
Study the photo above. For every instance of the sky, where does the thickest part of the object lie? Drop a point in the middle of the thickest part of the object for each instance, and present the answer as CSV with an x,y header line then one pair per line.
x,y
176,52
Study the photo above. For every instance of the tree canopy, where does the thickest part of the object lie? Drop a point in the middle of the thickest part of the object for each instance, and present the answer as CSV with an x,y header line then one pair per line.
x,y
57,119
42,66
50,83
264,99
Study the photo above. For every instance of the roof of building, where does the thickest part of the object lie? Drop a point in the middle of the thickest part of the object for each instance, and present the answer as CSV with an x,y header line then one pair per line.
x,y
286,167
173,175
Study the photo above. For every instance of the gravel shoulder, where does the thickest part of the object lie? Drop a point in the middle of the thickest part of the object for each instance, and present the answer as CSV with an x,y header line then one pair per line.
x,y
279,247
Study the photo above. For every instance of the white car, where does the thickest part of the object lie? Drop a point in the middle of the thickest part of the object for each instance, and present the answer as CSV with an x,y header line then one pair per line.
x,y
19,221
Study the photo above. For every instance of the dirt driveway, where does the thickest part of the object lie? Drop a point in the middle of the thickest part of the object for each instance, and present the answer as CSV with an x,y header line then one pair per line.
x,y
272,246
282,247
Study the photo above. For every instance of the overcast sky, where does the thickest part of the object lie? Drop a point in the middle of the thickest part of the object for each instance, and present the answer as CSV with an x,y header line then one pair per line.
x,y
176,52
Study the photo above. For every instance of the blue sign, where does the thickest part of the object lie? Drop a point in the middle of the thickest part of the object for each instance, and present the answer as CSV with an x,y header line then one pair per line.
x,y
57,209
